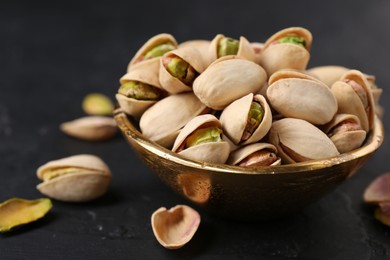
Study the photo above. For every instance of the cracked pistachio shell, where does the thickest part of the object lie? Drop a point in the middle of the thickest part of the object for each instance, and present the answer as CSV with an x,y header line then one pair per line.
x,y
345,139
298,95
90,128
214,152
349,101
297,140
162,122
276,56
76,178
227,79
172,84
378,190
146,72
16,212
234,119
150,44
245,49
243,152
327,74
175,227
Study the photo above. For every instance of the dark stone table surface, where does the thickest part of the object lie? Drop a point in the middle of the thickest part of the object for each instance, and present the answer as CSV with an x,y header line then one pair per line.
x,y
53,53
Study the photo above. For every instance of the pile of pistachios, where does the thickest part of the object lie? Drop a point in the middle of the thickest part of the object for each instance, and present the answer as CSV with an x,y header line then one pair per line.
x,y
247,103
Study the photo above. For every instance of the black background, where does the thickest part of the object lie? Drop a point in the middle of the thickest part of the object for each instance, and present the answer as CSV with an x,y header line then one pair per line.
x,y
53,54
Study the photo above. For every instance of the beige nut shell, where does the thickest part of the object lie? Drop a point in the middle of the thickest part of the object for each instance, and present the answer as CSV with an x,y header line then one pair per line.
x,y
244,151
328,74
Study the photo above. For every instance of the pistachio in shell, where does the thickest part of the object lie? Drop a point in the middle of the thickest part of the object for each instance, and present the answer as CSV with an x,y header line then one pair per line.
x,y
228,79
247,120
179,68
255,155
97,104
298,140
16,212
90,128
286,49
298,95
76,178
201,139
175,227
378,190
162,122
257,48
328,74
346,132
155,47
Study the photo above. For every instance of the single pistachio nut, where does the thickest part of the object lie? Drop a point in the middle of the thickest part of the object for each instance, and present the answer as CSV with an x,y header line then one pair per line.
x,y
175,227
180,69
254,155
227,46
76,178
16,212
159,50
90,128
139,90
378,190
97,104
293,40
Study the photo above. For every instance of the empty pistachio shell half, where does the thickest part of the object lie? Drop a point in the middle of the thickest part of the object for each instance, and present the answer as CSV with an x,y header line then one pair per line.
x,y
15,212
201,139
227,79
175,227
288,48
90,128
378,190
297,140
97,104
254,155
247,120
298,95
75,179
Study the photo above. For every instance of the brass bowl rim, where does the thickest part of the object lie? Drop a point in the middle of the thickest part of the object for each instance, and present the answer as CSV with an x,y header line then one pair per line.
x,y
130,131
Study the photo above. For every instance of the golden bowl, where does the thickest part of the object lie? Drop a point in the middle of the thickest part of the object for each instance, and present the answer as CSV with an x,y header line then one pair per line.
x,y
245,193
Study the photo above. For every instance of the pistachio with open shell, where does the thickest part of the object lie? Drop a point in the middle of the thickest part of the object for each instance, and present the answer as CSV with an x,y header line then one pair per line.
x,y
90,128
179,69
227,79
297,141
76,178
298,95
16,212
162,122
354,96
346,132
175,227
247,120
155,47
201,139
140,88
254,155
286,49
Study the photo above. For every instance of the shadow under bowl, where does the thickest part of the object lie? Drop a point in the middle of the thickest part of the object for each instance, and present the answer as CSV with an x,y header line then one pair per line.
x,y
248,193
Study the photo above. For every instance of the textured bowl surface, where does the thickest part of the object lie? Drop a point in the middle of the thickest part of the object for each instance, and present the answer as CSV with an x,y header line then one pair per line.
x,y
243,193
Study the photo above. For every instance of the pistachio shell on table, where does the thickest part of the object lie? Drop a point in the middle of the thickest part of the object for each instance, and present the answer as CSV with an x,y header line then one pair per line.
x,y
328,74
378,190
179,68
140,88
16,212
298,95
346,132
154,48
162,122
243,123
354,96
253,155
227,79
201,139
97,104
297,141
224,46
175,227
90,128
281,51
76,178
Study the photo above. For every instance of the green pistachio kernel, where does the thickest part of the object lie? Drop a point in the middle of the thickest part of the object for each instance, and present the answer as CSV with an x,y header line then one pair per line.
x,y
227,46
159,50
181,70
294,40
139,90
255,116
204,135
